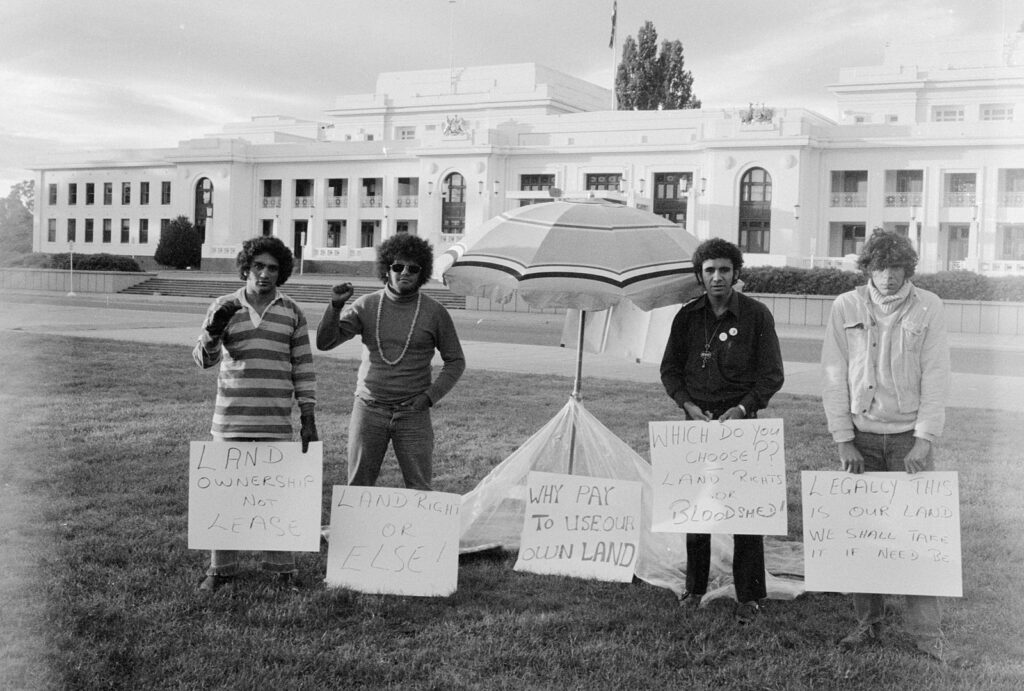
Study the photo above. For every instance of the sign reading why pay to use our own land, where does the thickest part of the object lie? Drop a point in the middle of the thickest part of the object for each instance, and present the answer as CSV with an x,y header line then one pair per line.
x,y
719,477
890,533
574,525
386,540
254,496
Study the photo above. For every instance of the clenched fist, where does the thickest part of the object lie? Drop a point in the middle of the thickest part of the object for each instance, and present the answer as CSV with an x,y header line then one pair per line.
x,y
340,294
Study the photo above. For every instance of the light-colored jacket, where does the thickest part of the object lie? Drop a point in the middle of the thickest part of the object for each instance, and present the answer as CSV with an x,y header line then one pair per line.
x,y
920,362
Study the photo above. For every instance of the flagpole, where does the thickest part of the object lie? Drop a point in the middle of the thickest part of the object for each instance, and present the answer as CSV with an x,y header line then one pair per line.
x,y
612,44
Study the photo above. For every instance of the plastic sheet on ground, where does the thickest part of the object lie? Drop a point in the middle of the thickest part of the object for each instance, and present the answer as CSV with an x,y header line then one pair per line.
x,y
492,513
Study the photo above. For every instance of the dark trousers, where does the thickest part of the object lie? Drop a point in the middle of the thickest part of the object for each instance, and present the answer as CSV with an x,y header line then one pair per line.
x,y
748,550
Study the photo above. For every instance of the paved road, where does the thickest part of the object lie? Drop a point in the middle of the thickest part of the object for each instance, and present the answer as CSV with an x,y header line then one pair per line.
x,y
501,341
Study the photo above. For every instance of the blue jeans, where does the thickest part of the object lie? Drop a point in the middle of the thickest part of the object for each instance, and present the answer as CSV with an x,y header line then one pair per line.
x,y
885,453
224,562
410,432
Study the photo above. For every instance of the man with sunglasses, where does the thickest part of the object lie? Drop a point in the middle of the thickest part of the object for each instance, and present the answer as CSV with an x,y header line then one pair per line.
x,y
401,328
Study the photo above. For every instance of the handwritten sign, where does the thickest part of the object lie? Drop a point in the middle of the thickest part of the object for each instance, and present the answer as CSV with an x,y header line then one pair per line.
x,y
387,540
882,533
255,496
719,477
579,526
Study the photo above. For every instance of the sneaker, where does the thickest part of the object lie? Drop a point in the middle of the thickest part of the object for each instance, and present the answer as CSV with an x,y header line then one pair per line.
x,y
862,634
746,612
211,583
942,651
690,600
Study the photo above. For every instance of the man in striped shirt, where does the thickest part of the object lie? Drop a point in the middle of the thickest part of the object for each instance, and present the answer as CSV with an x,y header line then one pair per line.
x,y
260,338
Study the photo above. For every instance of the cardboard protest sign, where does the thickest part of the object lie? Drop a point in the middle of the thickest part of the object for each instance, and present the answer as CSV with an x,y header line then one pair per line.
x,y
387,540
882,533
580,526
255,496
719,477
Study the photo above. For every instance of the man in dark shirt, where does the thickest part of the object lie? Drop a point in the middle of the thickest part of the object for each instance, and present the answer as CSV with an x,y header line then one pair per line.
x,y
723,362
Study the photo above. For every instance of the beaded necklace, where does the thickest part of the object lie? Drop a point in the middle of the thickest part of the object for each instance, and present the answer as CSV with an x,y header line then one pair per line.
x,y
706,354
408,339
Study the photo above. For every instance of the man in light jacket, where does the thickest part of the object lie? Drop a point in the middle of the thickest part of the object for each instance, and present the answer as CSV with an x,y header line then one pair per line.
x,y
886,378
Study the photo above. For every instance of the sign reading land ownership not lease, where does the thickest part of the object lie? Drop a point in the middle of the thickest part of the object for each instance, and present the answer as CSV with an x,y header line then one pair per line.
x,y
882,533
580,526
719,477
254,496
387,540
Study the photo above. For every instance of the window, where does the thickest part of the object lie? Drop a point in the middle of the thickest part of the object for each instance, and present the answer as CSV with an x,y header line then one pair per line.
x,y
143,231
1011,191
1013,242
670,195
52,194
303,193
71,229
755,211
108,193
88,230
51,230
849,188
536,183
165,223
335,233
453,205
72,193
267,227
604,181
165,192
853,238
997,112
892,119
405,133
126,231
948,114
106,230
271,194
90,193
143,193
960,189
126,193
903,188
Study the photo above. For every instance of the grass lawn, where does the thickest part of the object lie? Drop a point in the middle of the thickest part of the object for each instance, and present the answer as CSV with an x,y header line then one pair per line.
x,y
98,588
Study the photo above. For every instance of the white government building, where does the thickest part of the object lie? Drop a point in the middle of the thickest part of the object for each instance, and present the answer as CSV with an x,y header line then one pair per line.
x,y
930,143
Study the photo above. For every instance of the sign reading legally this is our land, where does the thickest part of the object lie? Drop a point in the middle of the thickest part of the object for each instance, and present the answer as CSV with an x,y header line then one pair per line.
x,y
254,496
387,540
719,477
586,527
882,533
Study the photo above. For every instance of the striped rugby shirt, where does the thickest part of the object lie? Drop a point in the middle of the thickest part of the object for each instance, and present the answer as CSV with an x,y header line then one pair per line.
x,y
264,362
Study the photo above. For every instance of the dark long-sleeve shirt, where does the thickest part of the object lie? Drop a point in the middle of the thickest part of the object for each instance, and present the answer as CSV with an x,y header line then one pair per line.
x,y
745,366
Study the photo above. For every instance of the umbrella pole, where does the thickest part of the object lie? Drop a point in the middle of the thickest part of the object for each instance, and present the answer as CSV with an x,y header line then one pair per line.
x,y
576,387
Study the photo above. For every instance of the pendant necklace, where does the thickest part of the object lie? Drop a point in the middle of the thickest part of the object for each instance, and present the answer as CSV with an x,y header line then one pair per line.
x,y
408,339
706,354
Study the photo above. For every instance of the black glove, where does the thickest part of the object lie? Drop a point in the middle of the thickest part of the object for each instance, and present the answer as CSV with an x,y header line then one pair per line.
x,y
221,317
307,430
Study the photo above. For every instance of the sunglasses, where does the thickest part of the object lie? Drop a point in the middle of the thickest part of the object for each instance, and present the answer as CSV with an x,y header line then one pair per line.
x,y
399,268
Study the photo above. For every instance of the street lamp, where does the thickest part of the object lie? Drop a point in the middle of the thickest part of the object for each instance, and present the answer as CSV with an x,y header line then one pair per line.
x,y
71,268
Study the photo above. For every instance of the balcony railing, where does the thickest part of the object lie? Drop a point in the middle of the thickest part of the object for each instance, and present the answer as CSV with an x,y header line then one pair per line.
x,y
898,199
849,199
959,199
374,201
407,201
1015,199
337,202
271,202
303,202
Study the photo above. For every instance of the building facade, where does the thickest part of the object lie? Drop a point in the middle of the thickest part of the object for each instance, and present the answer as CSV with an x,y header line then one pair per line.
x,y
930,144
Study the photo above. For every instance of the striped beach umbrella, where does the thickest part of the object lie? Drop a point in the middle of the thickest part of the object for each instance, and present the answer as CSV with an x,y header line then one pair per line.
x,y
582,254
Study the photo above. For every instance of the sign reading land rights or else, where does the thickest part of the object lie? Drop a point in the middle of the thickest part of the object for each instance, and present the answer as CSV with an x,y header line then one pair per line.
x,y
882,533
254,496
719,477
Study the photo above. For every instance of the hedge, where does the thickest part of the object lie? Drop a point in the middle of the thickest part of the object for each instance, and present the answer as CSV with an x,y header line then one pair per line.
x,y
83,262
948,285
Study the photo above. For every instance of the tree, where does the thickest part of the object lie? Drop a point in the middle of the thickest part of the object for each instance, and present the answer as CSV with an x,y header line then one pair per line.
x,y
647,79
179,245
16,220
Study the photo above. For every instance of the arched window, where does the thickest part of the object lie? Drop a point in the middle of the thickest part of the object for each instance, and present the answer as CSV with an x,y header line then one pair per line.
x,y
453,205
203,206
755,211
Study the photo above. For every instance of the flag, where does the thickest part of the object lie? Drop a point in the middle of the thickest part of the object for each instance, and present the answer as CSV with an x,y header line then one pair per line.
x,y
615,12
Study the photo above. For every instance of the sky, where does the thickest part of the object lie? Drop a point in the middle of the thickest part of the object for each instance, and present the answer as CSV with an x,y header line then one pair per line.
x,y
115,74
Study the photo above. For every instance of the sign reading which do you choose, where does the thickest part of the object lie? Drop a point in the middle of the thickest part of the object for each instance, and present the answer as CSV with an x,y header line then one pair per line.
x,y
719,477
254,496
581,526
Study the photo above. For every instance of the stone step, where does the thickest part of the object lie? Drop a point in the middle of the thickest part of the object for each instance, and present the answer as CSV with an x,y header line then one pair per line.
x,y
300,292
